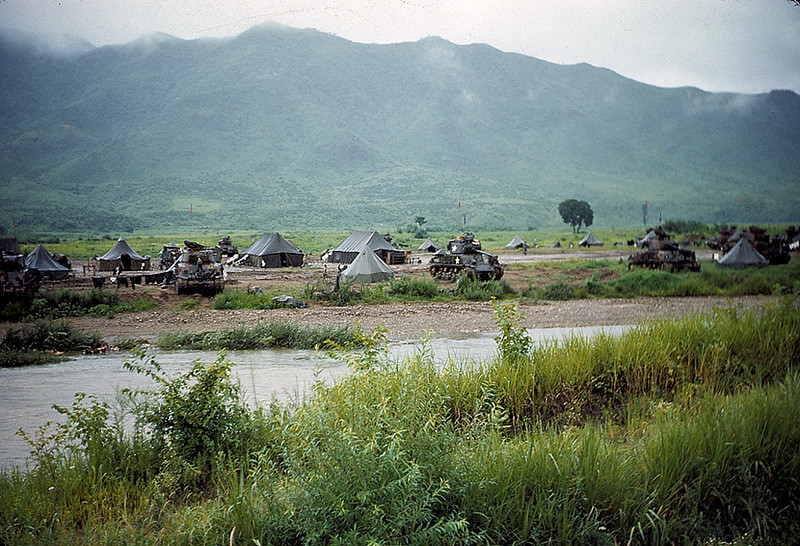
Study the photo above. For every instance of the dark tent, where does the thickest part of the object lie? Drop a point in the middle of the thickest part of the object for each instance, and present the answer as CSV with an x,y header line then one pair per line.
x,y
590,240
428,246
742,255
557,244
122,255
42,260
348,249
272,250
367,267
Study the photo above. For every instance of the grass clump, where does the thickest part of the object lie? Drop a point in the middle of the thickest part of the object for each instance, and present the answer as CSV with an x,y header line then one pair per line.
x,y
38,342
65,302
472,289
238,299
274,334
413,288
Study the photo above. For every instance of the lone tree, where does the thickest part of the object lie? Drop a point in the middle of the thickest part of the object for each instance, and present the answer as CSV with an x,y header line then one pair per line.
x,y
576,213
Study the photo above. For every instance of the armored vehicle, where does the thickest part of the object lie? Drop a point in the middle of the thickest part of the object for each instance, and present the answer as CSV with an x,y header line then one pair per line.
x,y
197,269
464,255
665,255
168,255
227,248
15,276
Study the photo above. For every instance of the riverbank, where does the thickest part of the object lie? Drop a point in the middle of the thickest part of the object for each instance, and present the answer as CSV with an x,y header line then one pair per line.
x,y
411,320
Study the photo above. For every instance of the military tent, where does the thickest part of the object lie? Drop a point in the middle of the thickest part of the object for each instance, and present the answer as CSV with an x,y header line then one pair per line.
x,y
367,267
123,256
428,246
348,249
590,240
517,242
272,250
742,255
42,260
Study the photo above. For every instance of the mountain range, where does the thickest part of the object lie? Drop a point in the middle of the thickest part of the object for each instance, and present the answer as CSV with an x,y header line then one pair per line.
x,y
287,129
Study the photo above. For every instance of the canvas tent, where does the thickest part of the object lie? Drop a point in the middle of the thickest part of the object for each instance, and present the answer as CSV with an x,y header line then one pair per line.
x,y
367,267
742,255
428,246
517,242
590,240
348,249
122,255
272,250
42,260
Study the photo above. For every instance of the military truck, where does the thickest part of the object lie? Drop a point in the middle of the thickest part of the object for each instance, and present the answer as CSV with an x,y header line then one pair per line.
x,y
464,255
198,270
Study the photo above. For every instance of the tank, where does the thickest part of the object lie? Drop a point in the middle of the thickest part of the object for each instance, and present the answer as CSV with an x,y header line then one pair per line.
x,y
665,255
15,277
198,270
464,255
227,248
168,255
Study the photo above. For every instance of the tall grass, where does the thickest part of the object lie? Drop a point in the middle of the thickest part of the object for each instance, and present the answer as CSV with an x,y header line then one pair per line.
x,y
66,302
285,335
677,432
237,299
37,342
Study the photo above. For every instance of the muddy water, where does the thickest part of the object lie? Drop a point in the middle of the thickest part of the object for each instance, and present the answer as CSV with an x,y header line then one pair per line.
x,y
28,394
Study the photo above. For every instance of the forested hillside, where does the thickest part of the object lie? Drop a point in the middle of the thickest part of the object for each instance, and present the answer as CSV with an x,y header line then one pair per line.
x,y
290,129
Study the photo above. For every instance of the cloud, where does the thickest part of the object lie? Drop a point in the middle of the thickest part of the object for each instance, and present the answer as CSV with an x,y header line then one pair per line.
x,y
718,45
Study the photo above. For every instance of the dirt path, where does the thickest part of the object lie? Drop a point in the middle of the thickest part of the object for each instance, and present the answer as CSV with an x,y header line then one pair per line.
x,y
412,320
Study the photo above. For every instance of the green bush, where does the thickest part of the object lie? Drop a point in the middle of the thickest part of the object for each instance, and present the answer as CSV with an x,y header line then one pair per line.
x,y
196,418
49,335
414,288
237,299
286,335
475,290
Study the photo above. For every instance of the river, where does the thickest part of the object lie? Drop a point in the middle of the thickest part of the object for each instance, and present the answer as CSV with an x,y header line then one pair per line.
x,y
27,394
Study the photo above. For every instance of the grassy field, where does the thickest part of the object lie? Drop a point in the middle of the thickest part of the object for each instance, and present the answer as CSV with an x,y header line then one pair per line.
x,y
675,432
316,242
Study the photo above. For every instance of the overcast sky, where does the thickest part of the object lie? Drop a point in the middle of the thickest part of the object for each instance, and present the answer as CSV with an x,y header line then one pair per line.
x,y
718,45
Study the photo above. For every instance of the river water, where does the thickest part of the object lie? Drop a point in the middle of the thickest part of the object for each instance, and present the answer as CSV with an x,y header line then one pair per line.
x,y
27,394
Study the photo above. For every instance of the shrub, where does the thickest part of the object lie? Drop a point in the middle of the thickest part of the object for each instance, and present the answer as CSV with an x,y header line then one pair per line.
x,y
418,288
196,416
237,299
474,290
285,335
48,335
